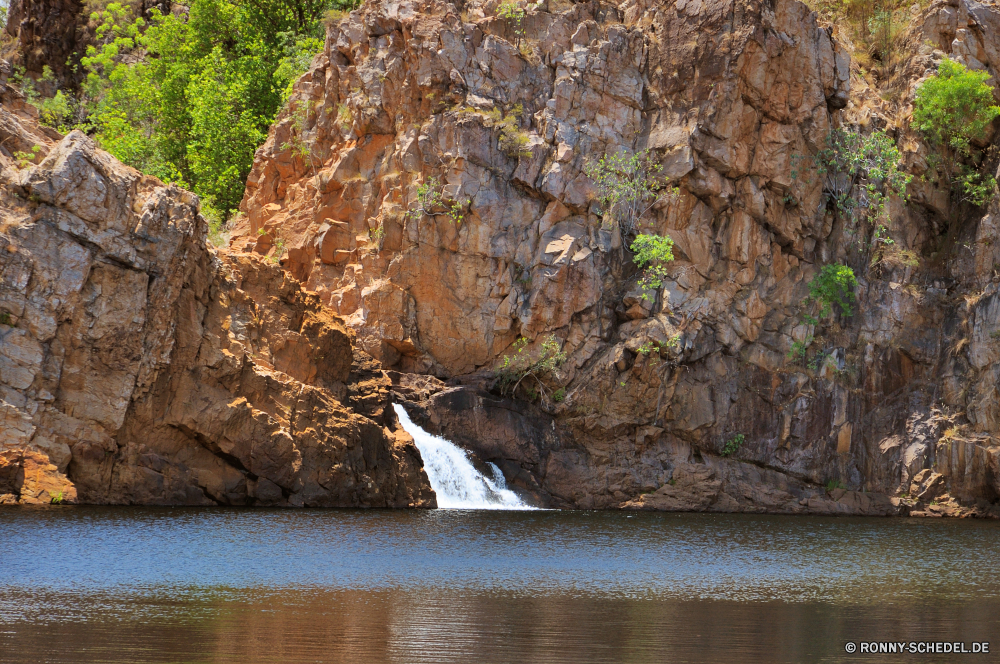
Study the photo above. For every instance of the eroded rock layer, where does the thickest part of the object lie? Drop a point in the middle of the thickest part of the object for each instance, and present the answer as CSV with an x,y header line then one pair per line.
x,y
137,365
735,99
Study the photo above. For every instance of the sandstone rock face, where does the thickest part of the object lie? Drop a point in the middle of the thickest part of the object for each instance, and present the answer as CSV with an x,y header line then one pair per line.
x,y
734,99
137,365
728,93
48,34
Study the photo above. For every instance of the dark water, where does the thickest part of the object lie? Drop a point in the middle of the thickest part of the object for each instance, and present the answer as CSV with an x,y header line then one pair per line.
x,y
207,585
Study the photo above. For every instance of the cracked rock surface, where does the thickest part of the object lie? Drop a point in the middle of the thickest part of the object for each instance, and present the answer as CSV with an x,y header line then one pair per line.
x,y
140,366
734,99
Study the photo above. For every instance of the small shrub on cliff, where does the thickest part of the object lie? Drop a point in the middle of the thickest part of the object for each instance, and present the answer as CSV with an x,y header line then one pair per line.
x,y
833,286
376,238
974,187
279,249
955,106
513,15
797,353
628,186
513,141
521,364
26,159
652,252
432,201
862,172
59,111
344,117
953,109
733,445
297,143
657,347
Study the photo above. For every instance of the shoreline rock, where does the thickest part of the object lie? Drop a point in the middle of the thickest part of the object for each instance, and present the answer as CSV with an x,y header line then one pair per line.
x,y
140,366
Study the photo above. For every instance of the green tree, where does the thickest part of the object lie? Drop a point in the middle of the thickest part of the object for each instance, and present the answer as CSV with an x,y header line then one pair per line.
x,y
189,97
955,106
953,109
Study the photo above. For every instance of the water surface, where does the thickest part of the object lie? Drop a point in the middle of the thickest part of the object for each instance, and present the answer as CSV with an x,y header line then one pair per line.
x,y
90,584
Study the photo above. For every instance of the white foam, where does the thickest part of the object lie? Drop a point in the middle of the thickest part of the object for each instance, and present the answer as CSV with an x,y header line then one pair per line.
x,y
455,480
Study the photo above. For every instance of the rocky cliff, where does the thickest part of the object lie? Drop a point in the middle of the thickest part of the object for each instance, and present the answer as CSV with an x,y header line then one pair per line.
x,y
138,365
731,97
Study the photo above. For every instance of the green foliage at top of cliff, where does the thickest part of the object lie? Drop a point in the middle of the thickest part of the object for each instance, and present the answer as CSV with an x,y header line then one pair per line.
x,y
953,109
955,106
189,96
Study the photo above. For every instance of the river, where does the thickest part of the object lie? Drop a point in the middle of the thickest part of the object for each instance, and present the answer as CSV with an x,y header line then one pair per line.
x,y
503,582
98,584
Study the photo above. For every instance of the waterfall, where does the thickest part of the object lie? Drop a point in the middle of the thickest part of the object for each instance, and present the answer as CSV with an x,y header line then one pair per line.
x,y
455,480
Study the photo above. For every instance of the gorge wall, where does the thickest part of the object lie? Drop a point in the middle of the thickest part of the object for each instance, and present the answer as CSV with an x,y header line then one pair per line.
x,y
140,366
732,97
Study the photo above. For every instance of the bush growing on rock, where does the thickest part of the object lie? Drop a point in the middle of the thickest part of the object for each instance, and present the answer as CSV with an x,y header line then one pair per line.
x,y
432,201
953,109
544,362
733,445
834,285
955,106
59,111
862,172
652,252
513,14
513,141
628,186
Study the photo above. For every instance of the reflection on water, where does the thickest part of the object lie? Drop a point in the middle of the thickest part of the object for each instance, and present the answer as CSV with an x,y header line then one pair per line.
x,y
186,585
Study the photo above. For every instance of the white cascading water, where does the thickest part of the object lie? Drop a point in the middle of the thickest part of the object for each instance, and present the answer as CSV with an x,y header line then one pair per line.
x,y
455,480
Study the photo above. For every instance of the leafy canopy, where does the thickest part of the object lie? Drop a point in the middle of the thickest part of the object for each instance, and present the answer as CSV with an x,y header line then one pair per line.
x,y
955,106
188,97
